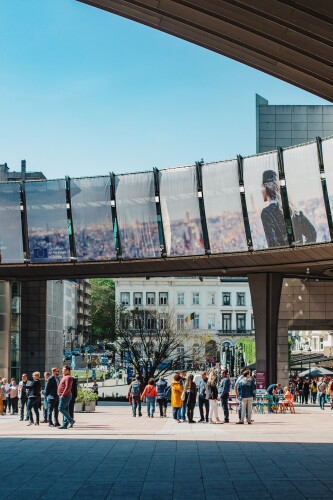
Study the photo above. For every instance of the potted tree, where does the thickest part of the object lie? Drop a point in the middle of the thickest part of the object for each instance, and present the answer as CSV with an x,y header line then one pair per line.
x,y
79,401
90,399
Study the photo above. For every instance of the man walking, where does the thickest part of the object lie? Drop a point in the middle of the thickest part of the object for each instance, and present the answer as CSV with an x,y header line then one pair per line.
x,y
51,395
136,389
203,402
224,391
65,395
23,395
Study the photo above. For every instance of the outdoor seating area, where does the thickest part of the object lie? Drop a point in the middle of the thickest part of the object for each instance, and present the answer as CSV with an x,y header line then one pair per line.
x,y
265,403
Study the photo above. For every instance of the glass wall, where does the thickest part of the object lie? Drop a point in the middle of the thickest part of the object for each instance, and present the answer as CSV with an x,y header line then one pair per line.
x,y
223,207
47,221
263,201
11,244
92,219
137,216
305,195
327,147
15,332
180,212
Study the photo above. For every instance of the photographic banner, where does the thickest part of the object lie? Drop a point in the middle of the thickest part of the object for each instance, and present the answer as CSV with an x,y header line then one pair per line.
x,y
92,219
47,221
223,207
11,244
327,148
180,212
305,195
263,201
137,216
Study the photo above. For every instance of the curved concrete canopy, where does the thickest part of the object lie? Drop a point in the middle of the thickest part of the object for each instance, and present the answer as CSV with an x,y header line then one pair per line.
x,y
289,39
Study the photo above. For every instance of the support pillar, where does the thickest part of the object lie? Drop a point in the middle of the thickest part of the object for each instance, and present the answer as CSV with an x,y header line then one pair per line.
x,y
265,293
5,314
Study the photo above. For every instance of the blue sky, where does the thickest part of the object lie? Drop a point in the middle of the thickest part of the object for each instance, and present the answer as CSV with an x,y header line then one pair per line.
x,y
84,92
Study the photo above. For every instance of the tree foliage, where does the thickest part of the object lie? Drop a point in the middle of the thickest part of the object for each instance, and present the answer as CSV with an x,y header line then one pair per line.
x,y
102,312
249,350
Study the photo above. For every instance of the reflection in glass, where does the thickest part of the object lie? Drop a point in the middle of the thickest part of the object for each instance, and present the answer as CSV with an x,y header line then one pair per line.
x,y
223,207
92,219
11,244
180,212
263,200
327,147
137,217
47,221
305,195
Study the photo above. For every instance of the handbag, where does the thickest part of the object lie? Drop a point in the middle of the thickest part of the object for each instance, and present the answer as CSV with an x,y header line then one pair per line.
x,y
183,396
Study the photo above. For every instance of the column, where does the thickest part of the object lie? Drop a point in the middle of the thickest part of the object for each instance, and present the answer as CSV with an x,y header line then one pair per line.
x,y
5,310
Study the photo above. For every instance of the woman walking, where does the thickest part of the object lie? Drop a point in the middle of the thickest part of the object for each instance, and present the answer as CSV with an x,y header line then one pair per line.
x,y
176,398
34,398
212,395
149,395
313,392
190,397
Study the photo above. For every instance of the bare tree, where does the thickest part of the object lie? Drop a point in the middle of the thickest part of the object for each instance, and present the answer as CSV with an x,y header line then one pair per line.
x,y
154,341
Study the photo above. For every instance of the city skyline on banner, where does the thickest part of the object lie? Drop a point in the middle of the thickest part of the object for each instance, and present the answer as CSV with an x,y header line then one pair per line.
x,y
80,98
223,207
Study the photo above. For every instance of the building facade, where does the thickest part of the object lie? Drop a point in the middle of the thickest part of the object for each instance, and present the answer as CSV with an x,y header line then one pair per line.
x,y
220,307
286,126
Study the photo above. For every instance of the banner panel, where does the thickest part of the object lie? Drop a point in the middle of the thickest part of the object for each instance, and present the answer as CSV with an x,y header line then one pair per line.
x,y
327,148
305,195
223,207
11,244
137,216
180,212
92,219
263,201
47,221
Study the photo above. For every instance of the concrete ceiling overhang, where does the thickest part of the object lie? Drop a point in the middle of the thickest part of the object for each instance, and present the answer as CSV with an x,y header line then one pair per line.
x,y
289,39
311,261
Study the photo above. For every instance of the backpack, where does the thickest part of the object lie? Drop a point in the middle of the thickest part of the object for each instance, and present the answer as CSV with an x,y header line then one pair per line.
x,y
136,389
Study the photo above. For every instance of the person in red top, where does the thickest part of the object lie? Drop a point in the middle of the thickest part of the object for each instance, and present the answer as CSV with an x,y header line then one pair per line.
x,y
65,396
150,394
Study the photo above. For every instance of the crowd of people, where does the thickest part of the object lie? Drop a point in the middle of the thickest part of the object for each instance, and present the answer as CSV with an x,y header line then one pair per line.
x,y
306,390
59,397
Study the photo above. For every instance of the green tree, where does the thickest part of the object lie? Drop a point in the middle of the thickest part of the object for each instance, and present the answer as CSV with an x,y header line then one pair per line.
x,y
102,312
249,350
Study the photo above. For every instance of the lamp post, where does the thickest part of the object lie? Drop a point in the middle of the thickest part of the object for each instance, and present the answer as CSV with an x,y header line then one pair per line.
x,y
309,363
301,349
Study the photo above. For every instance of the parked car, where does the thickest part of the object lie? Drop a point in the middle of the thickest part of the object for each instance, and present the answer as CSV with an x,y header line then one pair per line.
x,y
76,351
90,348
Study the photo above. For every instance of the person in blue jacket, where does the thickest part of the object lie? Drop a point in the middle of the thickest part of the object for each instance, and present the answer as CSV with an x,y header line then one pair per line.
x,y
247,391
224,391
162,399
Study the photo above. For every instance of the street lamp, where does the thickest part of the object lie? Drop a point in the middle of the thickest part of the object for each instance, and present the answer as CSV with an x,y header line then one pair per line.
x,y
309,362
301,349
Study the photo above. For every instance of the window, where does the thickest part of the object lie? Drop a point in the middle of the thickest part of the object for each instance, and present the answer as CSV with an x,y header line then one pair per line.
x,y
180,299
226,298
125,298
211,298
137,298
226,323
252,322
150,298
125,323
163,298
151,323
196,322
321,343
195,351
241,298
180,321
180,353
241,323
195,298
137,322
211,321
163,323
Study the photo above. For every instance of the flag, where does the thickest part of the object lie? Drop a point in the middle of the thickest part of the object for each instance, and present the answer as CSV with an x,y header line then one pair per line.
x,y
189,317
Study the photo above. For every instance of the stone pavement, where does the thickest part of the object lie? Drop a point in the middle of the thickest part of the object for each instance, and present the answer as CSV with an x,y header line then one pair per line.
x,y
109,454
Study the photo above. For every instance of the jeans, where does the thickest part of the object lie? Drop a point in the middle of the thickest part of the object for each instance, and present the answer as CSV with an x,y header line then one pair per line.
x,y
203,402
52,407
136,404
23,402
6,404
247,405
33,404
175,410
301,396
63,408
163,404
306,397
322,397
14,405
150,403
183,411
225,407
314,397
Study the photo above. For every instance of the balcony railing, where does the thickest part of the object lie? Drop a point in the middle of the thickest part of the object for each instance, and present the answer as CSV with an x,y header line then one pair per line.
x,y
236,332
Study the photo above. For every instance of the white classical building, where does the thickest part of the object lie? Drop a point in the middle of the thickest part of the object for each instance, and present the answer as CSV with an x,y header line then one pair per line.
x,y
221,306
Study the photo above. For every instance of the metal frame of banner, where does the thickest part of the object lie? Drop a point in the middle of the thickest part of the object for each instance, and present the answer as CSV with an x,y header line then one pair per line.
x,y
243,203
159,212
324,185
70,219
24,223
284,198
116,233
198,168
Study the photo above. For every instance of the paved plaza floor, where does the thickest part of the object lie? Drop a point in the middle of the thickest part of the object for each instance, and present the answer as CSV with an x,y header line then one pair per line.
x,y
110,454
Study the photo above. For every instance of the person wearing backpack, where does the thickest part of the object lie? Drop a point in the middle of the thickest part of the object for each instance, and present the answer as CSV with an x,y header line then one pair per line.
x,y
136,390
149,395
162,400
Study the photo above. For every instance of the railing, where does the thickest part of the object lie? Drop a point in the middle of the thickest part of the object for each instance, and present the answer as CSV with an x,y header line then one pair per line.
x,y
236,332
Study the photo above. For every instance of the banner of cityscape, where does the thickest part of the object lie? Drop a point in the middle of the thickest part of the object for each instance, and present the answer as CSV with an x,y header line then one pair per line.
x,y
265,201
